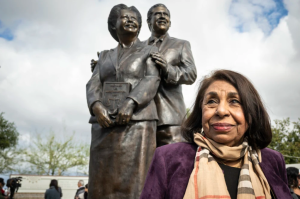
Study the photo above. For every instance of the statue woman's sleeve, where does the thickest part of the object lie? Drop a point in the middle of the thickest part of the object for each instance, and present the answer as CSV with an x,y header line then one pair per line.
x,y
94,86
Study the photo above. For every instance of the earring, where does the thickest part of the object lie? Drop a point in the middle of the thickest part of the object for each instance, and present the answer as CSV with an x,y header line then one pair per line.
x,y
202,132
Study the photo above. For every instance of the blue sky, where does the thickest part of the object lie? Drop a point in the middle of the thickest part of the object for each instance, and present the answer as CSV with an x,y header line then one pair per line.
x,y
5,32
272,12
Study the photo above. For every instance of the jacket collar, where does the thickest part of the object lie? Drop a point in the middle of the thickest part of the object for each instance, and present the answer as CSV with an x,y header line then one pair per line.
x,y
114,53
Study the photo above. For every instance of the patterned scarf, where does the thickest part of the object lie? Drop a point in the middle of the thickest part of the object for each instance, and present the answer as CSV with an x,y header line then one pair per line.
x,y
207,179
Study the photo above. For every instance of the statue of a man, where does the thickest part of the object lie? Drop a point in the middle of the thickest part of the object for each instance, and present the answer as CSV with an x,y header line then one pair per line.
x,y
177,67
120,96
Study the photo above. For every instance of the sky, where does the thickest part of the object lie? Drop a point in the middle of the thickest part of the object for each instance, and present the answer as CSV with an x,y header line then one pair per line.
x,y
46,48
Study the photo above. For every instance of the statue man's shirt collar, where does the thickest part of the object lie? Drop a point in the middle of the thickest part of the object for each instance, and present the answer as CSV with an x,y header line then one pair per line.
x,y
156,41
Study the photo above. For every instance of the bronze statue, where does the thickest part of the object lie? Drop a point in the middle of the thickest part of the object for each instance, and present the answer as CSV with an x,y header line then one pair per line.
x,y
177,67
120,96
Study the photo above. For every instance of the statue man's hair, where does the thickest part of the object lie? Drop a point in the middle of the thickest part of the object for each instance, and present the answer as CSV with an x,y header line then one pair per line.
x,y
149,15
114,15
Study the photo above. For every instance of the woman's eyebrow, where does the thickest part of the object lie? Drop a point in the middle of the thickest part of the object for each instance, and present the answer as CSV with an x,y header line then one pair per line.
x,y
233,94
212,94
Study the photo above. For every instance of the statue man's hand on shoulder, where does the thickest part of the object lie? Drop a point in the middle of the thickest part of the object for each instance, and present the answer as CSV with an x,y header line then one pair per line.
x,y
94,63
160,60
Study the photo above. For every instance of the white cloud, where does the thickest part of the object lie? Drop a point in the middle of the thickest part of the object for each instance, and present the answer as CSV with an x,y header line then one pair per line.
x,y
45,68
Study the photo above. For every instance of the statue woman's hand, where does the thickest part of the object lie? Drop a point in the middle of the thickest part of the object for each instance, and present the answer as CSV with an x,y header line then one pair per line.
x,y
102,116
125,112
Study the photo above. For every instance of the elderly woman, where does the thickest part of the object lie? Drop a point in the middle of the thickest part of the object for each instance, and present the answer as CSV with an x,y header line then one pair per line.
x,y
229,131
120,99
293,177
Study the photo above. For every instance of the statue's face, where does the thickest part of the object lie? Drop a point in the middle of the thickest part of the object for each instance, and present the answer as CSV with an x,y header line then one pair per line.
x,y
127,22
160,20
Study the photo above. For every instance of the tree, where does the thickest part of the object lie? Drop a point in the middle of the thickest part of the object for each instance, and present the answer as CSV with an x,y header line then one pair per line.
x,y
279,131
8,133
287,140
53,157
9,154
9,159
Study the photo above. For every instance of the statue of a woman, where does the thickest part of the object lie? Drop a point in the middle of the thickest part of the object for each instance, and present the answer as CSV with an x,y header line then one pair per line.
x,y
120,98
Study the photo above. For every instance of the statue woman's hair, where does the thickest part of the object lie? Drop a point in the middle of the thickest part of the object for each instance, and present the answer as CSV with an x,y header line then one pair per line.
x,y
115,14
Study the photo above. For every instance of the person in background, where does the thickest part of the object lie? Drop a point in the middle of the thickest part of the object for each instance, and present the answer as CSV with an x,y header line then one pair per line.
x,y
54,192
3,195
228,130
1,186
86,191
80,191
294,181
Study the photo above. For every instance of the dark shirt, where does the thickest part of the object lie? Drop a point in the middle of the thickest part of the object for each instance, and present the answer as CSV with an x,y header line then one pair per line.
x,y
231,175
295,196
80,193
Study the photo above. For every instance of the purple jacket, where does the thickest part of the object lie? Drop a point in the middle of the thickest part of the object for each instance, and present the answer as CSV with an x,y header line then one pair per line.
x,y
173,164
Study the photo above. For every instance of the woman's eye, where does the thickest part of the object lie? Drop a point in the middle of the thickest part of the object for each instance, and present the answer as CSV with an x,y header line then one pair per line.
x,y
211,101
235,101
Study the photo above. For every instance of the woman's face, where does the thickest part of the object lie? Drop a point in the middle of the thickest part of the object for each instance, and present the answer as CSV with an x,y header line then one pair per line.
x,y
127,22
223,118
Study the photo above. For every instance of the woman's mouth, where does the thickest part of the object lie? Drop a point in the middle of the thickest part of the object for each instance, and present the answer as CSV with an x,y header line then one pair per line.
x,y
130,25
222,126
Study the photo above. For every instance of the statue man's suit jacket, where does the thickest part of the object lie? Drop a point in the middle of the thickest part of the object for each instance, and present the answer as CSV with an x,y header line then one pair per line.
x,y
181,70
133,68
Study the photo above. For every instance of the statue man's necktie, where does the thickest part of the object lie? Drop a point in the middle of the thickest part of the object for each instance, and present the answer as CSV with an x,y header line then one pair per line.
x,y
157,43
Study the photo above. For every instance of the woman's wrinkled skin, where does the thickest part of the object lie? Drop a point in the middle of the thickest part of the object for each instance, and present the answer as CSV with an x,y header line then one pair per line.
x,y
223,118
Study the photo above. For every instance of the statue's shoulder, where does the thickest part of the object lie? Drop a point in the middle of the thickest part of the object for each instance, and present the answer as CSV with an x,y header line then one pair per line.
x,y
173,39
104,53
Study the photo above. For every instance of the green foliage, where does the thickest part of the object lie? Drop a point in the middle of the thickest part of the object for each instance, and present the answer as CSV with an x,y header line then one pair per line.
x,y
286,140
49,156
9,159
8,133
9,154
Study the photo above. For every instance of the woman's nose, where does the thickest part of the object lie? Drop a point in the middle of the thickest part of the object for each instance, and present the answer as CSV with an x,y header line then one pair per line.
x,y
222,109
